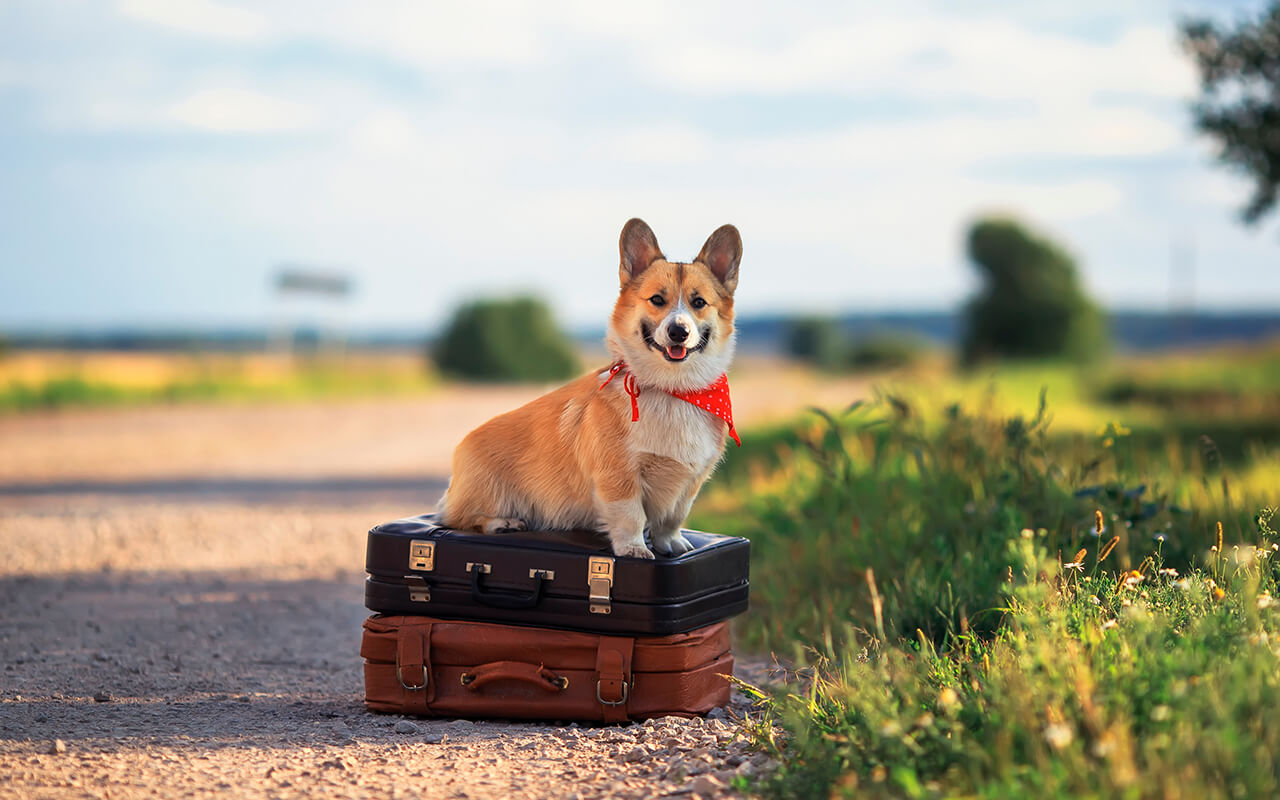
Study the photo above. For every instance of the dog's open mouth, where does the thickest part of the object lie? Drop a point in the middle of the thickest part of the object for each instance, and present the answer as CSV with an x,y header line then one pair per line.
x,y
675,352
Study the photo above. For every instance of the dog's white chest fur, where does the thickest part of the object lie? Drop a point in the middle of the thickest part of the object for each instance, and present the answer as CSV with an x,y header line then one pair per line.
x,y
676,429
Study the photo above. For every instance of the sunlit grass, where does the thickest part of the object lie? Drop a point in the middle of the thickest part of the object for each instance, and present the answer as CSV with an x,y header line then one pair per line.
x,y
933,562
31,381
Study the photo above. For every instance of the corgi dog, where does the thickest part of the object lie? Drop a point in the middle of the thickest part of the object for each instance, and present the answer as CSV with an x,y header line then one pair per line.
x,y
624,449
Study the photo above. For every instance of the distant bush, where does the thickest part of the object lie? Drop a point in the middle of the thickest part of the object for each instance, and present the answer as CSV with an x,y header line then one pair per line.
x,y
1031,304
817,340
821,341
505,340
884,351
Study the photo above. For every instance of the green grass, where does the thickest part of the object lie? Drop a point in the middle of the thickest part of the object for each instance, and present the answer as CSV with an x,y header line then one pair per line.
x,y
1092,687
907,557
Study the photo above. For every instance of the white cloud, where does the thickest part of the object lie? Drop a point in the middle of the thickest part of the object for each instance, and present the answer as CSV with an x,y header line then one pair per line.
x,y
200,17
1061,202
956,142
427,36
659,143
227,110
935,57
386,134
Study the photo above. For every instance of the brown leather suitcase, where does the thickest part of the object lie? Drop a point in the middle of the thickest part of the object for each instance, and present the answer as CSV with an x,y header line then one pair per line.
x,y
449,668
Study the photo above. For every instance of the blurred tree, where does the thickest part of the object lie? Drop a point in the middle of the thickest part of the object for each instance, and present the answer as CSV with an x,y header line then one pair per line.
x,y
817,340
1239,102
1031,304
512,339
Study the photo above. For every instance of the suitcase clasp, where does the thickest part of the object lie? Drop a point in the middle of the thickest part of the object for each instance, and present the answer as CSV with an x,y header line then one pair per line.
x,y
600,584
419,589
422,555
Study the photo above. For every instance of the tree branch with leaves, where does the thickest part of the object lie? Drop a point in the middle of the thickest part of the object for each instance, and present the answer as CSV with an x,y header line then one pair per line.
x,y
1239,103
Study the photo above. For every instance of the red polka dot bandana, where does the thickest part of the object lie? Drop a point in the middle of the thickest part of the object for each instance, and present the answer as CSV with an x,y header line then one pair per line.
x,y
714,399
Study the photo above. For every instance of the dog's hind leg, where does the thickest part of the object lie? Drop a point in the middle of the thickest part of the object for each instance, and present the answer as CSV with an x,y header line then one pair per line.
x,y
482,522
461,510
501,525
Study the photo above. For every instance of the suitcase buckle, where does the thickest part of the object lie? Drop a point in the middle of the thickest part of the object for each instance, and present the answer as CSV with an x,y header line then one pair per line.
x,y
423,685
604,702
600,586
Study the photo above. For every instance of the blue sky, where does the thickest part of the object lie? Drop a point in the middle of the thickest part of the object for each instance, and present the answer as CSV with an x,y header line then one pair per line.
x,y
158,158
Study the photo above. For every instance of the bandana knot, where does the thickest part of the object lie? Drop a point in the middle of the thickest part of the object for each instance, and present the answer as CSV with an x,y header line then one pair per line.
x,y
713,399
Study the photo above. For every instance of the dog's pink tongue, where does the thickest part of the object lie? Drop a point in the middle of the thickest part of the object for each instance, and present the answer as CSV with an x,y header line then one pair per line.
x,y
676,351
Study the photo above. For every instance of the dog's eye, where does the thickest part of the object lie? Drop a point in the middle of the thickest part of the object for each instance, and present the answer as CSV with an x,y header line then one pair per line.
x,y
698,302
658,300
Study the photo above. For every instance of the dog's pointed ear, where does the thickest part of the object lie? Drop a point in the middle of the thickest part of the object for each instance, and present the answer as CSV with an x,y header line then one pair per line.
x,y
721,254
638,247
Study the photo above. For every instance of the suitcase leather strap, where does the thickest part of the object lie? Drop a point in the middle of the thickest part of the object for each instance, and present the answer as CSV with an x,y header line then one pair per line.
x,y
613,676
413,666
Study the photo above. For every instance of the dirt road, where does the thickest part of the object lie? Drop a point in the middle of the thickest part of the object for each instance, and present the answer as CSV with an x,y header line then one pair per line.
x,y
180,608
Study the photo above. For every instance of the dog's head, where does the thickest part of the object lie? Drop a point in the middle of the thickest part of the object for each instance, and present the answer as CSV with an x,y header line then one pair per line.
x,y
673,323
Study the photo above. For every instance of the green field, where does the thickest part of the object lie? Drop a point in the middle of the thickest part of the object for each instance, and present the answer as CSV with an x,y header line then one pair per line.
x,y
53,380
987,594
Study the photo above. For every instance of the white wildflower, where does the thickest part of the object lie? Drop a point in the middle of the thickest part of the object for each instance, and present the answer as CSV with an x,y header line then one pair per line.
x,y
1058,735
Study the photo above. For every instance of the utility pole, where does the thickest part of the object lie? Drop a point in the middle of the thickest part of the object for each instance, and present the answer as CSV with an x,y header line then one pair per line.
x,y
1182,286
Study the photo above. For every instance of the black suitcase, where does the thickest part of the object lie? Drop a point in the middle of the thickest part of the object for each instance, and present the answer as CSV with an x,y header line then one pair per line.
x,y
569,580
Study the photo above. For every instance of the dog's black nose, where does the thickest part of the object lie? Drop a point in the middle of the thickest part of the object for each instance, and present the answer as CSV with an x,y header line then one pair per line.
x,y
677,332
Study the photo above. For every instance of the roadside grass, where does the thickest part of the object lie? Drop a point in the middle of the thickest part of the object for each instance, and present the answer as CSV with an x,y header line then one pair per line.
x,y
61,380
984,603
1139,684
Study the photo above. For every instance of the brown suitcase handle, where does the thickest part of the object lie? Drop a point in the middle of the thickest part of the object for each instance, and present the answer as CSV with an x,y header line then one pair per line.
x,y
536,675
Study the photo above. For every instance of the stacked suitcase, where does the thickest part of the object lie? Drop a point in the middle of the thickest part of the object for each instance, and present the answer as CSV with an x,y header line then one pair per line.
x,y
546,625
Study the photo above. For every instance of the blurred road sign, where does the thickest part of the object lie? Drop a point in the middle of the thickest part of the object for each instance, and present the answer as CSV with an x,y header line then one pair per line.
x,y
301,280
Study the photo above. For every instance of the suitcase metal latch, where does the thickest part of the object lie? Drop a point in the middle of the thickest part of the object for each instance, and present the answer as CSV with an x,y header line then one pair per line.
x,y
422,555
600,584
419,590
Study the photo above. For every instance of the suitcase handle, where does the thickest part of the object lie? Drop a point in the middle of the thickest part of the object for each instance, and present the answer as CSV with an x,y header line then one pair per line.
x,y
507,601
536,675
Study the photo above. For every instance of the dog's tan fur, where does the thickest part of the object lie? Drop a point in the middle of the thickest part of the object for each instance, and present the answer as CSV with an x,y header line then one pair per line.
x,y
573,458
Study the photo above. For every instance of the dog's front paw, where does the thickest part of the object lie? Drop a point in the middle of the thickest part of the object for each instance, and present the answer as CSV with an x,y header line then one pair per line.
x,y
504,525
632,551
672,545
